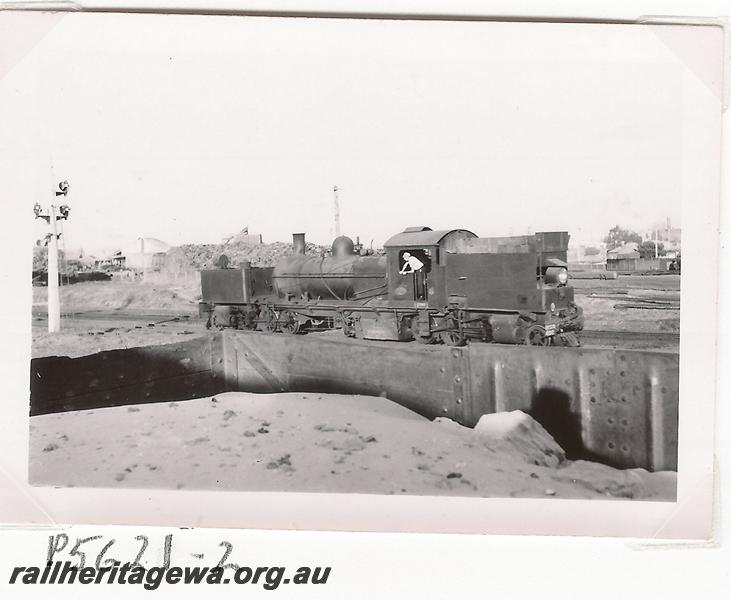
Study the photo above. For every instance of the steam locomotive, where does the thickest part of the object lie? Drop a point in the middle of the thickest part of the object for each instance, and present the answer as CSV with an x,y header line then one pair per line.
x,y
448,286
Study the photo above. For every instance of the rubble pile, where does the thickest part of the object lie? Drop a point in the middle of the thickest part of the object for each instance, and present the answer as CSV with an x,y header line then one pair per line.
x,y
204,256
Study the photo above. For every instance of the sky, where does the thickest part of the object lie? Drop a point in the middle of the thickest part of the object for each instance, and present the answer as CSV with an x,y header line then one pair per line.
x,y
189,128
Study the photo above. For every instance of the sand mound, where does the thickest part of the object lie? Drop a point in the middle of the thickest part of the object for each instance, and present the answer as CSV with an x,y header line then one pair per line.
x,y
630,483
513,432
307,442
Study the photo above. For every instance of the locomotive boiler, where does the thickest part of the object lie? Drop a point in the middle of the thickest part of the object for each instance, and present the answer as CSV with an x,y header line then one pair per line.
x,y
342,276
448,286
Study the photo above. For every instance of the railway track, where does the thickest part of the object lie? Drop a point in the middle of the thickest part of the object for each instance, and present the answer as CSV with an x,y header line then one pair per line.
x,y
589,337
619,294
154,318
635,338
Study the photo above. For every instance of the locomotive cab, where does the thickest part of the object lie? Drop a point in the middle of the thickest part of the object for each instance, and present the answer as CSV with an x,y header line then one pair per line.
x,y
416,265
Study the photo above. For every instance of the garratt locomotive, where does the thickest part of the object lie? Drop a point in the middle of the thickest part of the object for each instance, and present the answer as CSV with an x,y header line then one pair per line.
x,y
431,286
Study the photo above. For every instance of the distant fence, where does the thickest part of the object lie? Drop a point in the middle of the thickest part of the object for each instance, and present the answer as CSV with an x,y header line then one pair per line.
x,y
182,277
586,266
639,264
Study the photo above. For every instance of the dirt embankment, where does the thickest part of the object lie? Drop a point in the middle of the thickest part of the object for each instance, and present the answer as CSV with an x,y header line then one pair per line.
x,y
121,296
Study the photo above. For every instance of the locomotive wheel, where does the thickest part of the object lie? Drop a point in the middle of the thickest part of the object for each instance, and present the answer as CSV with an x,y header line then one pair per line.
x,y
248,320
347,321
536,336
271,322
219,323
289,323
349,329
451,336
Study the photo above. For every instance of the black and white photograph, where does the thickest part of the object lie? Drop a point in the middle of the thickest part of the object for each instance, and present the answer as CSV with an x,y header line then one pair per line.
x,y
375,257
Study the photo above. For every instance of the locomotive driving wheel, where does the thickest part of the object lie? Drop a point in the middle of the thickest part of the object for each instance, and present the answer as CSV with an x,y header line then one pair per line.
x,y
348,320
536,336
249,319
271,323
451,335
218,323
289,323
220,320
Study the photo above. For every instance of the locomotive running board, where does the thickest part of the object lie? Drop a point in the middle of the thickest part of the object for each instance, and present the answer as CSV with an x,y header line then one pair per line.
x,y
619,407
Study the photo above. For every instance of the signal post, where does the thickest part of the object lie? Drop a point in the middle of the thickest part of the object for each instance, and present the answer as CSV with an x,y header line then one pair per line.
x,y
55,213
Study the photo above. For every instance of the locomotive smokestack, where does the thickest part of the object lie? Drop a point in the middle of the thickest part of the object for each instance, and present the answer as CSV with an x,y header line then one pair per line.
x,y
298,239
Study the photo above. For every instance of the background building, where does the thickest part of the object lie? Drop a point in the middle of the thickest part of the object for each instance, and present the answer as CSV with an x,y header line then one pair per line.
x,y
669,237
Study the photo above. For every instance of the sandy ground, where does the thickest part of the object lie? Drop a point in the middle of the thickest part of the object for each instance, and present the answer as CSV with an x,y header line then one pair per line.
x,y
79,337
600,312
313,443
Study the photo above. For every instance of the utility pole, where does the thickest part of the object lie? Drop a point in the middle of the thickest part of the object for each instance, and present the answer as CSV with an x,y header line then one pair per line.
x,y
337,211
656,251
54,303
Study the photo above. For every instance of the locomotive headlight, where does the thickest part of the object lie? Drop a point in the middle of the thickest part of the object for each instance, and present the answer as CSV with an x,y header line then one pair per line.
x,y
556,275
